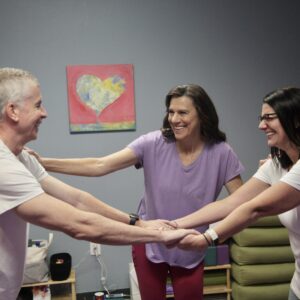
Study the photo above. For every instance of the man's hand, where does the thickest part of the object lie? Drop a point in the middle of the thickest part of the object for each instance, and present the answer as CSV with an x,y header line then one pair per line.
x,y
173,237
156,224
193,242
34,153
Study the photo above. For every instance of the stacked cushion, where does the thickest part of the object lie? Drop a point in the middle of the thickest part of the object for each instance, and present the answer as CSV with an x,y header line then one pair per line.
x,y
262,261
265,291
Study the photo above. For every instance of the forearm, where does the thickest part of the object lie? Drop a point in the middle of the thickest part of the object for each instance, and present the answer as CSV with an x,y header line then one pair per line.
x,y
114,233
275,200
236,221
219,209
90,226
73,166
91,166
89,203
210,213
82,200
110,232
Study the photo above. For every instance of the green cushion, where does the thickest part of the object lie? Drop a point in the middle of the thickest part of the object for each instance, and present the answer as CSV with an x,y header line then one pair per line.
x,y
271,221
262,274
262,237
260,255
260,292
214,277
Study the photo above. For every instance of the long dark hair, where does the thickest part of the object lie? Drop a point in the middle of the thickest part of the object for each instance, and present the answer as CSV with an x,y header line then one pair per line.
x,y
209,120
286,104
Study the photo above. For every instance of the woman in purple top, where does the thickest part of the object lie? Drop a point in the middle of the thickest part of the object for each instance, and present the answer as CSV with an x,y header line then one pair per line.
x,y
186,164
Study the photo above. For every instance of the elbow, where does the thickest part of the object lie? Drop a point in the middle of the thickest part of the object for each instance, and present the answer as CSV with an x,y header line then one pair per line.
x,y
254,216
257,212
87,229
97,169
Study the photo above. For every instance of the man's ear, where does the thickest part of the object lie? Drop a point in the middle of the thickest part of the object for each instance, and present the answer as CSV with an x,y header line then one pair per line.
x,y
12,111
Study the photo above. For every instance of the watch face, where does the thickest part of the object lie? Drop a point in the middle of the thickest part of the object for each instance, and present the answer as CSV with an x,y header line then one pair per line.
x,y
133,218
213,235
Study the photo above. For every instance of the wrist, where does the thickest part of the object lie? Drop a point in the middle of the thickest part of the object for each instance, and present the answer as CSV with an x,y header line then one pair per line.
x,y
207,240
212,236
139,223
176,224
133,218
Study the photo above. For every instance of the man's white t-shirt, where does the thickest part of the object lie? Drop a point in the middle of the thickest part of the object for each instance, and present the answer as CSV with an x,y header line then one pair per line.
x,y
271,174
19,182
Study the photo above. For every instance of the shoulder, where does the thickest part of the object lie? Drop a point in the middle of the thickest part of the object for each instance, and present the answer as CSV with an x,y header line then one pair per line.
x,y
222,148
269,172
153,137
27,159
292,177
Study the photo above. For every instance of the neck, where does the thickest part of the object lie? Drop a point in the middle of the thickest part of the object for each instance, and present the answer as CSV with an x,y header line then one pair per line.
x,y
188,152
190,146
293,153
11,141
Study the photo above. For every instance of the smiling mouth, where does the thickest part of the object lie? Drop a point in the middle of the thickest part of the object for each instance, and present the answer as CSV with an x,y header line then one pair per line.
x,y
37,125
178,128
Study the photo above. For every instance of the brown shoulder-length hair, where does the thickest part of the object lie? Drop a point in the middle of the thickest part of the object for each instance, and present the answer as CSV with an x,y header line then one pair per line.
x,y
286,104
209,120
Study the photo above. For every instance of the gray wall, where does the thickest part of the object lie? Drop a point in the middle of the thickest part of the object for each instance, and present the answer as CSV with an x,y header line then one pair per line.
x,y
237,50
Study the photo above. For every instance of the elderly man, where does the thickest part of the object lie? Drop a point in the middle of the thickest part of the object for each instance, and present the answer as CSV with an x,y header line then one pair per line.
x,y
29,194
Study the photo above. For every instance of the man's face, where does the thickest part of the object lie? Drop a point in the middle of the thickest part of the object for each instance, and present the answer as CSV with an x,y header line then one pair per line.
x,y
31,113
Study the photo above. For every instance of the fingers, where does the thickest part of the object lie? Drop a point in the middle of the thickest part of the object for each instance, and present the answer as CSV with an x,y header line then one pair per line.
x,y
193,242
158,224
262,161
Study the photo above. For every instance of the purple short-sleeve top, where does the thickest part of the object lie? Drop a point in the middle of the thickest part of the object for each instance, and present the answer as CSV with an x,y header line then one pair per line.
x,y
173,190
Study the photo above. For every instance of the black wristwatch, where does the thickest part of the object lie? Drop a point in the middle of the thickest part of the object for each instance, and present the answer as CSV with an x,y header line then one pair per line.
x,y
133,218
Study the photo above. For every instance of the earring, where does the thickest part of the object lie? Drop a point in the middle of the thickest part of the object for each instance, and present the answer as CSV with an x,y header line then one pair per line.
x,y
278,153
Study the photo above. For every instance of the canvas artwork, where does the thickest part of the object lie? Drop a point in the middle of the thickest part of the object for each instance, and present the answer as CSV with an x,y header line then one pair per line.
x,y
101,98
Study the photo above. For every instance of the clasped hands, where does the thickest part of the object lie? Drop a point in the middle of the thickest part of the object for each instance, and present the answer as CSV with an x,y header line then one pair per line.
x,y
186,239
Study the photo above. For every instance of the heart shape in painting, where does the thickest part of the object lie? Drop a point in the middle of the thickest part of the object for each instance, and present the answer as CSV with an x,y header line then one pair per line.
x,y
98,94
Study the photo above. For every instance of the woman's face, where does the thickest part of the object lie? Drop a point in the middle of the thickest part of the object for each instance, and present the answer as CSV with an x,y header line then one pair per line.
x,y
270,124
183,118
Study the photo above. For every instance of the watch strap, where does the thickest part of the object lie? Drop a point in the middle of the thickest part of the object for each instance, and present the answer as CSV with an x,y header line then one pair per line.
x,y
213,235
133,218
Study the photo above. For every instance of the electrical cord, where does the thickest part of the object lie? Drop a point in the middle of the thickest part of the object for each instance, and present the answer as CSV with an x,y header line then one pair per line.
x,y
103,273
103,270
82,259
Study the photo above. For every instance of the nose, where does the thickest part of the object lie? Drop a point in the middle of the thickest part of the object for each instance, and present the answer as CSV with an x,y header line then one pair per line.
x,y
44,112
174,117
262,125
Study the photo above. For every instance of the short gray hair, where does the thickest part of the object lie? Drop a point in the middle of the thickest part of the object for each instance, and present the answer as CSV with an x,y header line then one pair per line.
x,y
13,85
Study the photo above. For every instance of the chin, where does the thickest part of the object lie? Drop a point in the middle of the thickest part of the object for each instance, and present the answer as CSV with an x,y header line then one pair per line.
x,y
179,137
34,137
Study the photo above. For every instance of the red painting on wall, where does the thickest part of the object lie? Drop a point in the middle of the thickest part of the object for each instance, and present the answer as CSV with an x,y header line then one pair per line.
x,y
101,98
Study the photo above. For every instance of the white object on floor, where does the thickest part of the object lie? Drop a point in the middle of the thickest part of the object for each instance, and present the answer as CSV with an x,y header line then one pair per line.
x,y
134,285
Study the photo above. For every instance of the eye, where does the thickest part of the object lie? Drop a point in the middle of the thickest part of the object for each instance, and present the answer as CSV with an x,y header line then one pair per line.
x,y
268,117
38,105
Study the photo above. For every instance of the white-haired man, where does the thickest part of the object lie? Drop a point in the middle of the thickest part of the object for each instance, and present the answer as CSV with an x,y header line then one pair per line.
x,y
29,194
